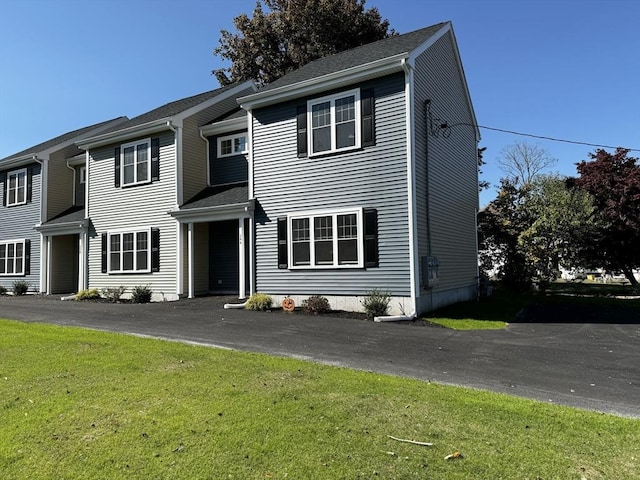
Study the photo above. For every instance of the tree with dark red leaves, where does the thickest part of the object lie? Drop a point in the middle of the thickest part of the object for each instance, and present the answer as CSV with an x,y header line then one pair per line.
x,y
613,180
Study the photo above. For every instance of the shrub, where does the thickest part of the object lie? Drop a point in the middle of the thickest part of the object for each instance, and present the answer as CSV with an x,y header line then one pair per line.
x,y
259,301
376,303
3,290
90,294
316,304
141,294
20,287
113,294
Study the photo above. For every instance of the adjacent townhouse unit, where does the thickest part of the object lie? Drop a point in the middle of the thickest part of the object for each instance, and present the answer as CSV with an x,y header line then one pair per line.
x,y
42,214
138,175
363,175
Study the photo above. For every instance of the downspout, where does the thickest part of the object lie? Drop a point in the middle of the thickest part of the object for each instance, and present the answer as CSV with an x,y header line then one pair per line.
x,y
43,281
411,199
73,198
206,141
178,198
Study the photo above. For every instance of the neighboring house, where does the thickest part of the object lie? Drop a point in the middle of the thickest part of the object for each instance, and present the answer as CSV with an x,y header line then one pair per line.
x,y
363,175
138,174
41,185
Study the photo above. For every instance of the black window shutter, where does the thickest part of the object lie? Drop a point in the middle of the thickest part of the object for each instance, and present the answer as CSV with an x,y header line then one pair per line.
x,y
155,249
29,183
4,180
155,159
370,237
301,123
116,169
27,257
368,117
282,243
104,253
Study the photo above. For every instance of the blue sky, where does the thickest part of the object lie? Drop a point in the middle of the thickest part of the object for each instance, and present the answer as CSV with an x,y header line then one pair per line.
x,y
567,69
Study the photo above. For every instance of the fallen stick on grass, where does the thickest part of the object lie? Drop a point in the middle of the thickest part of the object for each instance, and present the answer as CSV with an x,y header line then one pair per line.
x,y
424,444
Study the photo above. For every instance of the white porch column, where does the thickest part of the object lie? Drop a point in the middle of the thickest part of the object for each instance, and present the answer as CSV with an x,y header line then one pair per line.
x,y
43,263
241,260
48,265
190,261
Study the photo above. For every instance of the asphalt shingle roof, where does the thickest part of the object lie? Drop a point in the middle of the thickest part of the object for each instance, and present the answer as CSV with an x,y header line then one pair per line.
x,y
362,55
218,196
57,140
170,109
72,214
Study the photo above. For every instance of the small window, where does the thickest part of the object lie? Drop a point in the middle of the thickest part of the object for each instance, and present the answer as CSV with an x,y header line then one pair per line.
x,y
83,174
12,257
129,252
334,123
16,187
136,162
326,240
232,145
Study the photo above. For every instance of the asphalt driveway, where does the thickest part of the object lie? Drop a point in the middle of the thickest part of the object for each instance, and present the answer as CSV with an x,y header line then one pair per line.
x,y
593,365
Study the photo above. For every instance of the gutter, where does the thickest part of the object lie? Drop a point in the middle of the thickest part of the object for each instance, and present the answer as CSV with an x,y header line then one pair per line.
x,y
125,134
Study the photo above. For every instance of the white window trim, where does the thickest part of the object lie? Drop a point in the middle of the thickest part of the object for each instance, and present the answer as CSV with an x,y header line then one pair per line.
x,y
332,99
325,213
232,138
135,170
26,187
122,232
14,243
83,174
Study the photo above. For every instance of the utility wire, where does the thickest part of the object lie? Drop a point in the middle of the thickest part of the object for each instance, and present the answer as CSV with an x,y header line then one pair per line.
x,y
543,137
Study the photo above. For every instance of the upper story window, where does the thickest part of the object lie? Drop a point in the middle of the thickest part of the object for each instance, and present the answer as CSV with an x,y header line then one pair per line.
x,y
83,174
136,162
334,122
232,145
16,187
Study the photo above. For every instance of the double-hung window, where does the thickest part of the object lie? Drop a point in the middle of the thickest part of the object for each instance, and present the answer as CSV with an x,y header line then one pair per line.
x,y
326,239
335,122
136,162
12,257
232,145
129,252
16,187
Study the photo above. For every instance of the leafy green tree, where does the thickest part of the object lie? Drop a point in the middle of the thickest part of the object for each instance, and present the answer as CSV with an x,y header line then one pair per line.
x,y
614,182
561,217
290,33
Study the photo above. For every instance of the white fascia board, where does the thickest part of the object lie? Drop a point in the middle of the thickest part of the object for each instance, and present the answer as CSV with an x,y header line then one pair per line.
x,y
208,214
19,161
224,126
232,92
375,69
125,134
66,228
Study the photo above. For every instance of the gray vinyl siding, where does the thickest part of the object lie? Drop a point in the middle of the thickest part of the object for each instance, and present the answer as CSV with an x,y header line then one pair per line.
x,y
79,189
140,206
194,149
374,177
17,222
232,169
453,181
59,185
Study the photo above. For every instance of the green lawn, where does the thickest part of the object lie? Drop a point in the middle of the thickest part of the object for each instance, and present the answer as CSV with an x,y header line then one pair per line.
x,y
81,404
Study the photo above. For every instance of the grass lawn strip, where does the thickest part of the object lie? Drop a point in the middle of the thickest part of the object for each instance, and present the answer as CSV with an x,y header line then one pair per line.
x,y
87,404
